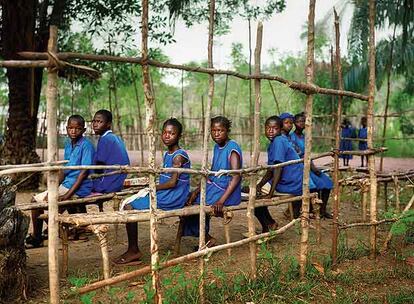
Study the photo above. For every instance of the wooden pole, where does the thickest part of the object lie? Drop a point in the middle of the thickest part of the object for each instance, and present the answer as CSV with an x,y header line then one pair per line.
x,y
53,176
140,137
333,85
202,236
150,121
397,193
387,98
308,141
370,127
250,82
274,97
182,259
336,192
223,109
256,151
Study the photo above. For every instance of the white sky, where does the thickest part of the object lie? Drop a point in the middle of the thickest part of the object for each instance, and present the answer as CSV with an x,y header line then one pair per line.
x,y
281,32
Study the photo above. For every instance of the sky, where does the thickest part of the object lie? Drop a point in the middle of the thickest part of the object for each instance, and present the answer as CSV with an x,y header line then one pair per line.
x,y
281,32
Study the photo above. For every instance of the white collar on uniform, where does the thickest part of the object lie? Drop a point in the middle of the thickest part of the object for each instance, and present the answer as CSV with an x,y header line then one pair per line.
x,y
109,131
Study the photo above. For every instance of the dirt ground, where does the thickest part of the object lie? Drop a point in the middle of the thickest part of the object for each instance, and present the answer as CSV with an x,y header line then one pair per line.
x,y
85,258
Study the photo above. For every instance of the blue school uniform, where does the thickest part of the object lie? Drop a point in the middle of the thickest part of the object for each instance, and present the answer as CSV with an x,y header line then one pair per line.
x,y
346,144
110,151
217,185
173,198
363,134
281,150
81,153
321,181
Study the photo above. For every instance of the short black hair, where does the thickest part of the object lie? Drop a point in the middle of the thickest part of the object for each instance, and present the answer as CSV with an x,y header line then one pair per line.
x,y
173,122
224,121
106,114
299,115
272,118
78,118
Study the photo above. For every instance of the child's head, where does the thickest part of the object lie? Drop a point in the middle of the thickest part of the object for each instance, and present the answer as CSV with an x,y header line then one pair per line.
x,y
299,121
171,132
102,122
364,121
75,127
346,123
219,129
287,122
272,127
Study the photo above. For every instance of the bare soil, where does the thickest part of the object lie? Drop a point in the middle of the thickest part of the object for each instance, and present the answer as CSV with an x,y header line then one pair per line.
x,y
85,258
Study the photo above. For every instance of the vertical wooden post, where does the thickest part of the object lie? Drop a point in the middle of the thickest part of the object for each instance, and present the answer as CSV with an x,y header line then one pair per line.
x,y
386,196
274,97
223,106
53,176
140,129
182,104
150,121
370,129
308,141
333,85
397,193
337,187
202,236
256,150
364,198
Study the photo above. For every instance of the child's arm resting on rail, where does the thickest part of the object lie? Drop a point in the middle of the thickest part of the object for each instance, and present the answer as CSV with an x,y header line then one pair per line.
x,y
277,172
82,175
178,162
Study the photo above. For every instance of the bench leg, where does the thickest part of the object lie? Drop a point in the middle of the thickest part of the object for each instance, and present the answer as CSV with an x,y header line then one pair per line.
x,y
364,202
64,231
317,210
101,233
177,245
227,237
116,204
292,216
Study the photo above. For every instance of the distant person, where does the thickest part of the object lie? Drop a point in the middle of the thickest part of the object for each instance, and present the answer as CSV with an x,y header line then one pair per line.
x,y
109,151
224,190
322,181
362,144
347,132
73,183
172,191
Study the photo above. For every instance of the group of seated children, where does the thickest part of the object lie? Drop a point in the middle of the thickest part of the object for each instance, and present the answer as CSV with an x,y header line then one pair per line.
x,y
173,189
79,150
348,132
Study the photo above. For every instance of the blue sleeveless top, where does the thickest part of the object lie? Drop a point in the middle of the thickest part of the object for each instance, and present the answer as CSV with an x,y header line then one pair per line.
x,y
216,186
363,134
174,198
298,142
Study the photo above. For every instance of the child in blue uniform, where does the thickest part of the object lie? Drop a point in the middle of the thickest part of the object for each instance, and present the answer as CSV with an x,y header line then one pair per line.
x,y
272,129
172,191
289,178
322,181
287,123
109,151
73,183
346,144
221,190
363,145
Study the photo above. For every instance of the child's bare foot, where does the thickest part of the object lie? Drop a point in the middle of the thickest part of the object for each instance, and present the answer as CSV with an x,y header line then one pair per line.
x,y
129,258
210,241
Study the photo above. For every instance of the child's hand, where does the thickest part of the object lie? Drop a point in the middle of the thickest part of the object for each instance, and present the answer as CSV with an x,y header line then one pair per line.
x,y
218,209
191,198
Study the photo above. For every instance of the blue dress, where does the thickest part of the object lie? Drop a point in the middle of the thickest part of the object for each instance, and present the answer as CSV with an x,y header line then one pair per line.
x,y
322,181
217,185
363,134
281,150
346,144
173,198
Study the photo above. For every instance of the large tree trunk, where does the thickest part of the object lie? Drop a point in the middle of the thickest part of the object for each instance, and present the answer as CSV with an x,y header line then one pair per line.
x,y
18,24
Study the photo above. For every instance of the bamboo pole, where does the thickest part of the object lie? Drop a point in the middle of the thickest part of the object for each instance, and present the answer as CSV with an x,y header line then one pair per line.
x,y
295,85
150,121
309,71
370,224
144,270
53,176
370,127
256,151
336,192
274,97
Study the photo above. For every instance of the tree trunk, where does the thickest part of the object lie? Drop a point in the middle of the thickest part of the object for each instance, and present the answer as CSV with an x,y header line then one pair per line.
x,y
18,35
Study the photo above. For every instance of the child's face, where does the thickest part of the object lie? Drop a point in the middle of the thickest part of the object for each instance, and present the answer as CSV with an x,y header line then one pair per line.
x,y
300,123
272,129
170,135
287,124
100,125
219,133
75,129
